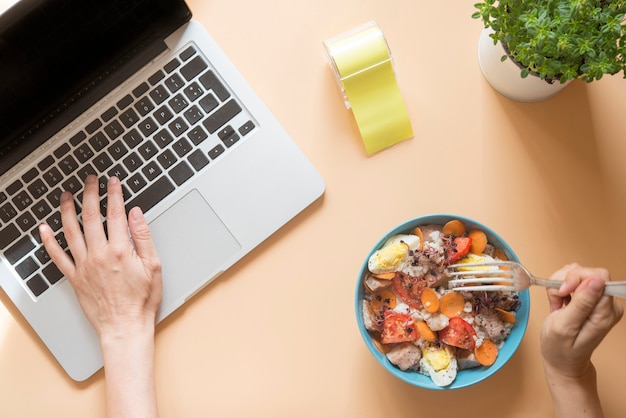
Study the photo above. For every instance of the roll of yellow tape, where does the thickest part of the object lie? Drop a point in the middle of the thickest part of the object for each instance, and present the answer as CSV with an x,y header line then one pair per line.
x,y
363,65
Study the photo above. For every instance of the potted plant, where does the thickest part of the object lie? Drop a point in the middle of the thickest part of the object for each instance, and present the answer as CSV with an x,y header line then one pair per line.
x,y
552,41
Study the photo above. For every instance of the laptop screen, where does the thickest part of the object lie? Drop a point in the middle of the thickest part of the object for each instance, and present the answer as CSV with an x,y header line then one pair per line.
x,y
51,49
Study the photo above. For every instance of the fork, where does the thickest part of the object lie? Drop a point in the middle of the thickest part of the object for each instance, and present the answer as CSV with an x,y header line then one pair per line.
x,y
488,276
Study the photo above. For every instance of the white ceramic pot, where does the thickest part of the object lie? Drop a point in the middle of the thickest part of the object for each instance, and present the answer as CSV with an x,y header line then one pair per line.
x,y
504,76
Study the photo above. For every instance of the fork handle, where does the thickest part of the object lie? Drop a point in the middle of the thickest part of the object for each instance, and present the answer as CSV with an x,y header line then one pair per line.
x,y
617,289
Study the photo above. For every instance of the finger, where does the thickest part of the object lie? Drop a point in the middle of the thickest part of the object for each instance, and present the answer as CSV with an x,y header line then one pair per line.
x,y
117,226
71,227
584,300
56,253
92,220
142,237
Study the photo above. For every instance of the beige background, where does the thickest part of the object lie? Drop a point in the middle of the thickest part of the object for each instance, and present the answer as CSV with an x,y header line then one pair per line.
x,y
276,336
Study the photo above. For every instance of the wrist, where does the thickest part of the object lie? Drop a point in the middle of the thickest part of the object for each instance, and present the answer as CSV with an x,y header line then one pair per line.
x,y
574,392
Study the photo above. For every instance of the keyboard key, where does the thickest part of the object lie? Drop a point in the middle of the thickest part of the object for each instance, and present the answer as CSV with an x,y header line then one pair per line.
x,y
93,126
193,92
210,82
178,103
42,255
14,187
148,126
118,171
144,106
62,150
132,162
221,116
54,221
18,250
216,151
136,182
129,117
198,160
26,267
7,212
83,153
193,115
114,129
72,185
178,126
181,173
159,94
231,140
133,138
163,138
166,159
152,170
30,175
156,77
85,171
41,209
118,150
187,53
182,147
174,83
193,68
52,273
37,188
68,164
22,200
141,89
8,234
125,102
208,103
163,115
152,195
148,150
246,128
98,141
109,114
37,285
25,221
171,66
45,163
78,138
102,162
3,197
197,135
52,177
54,197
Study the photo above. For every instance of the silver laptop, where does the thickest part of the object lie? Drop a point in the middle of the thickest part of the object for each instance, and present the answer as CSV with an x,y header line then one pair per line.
x,y
136,89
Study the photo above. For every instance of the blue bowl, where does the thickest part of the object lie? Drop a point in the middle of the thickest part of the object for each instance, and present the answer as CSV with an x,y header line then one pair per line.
x,y
467,377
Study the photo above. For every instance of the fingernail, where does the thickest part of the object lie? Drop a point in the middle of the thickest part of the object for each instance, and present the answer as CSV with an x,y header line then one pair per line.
x,y
113,180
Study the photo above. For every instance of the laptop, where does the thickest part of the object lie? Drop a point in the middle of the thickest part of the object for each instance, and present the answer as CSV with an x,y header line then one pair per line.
x,y
135,89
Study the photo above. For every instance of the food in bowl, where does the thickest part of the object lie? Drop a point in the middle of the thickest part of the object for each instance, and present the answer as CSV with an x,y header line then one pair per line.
x,y
419,324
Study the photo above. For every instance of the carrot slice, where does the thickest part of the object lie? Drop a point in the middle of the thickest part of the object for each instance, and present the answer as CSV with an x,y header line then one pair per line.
x,y
479,241
425,332
418,232
385,276
382,300
486,353
506,316
430,300
455,227
451,304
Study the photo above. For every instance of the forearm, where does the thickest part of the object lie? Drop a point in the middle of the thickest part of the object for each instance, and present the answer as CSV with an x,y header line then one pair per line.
x,y
129,368
574,397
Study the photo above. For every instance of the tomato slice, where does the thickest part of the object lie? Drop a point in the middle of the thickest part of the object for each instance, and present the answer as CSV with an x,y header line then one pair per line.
x,y
459,248
398,328
459,333
409,289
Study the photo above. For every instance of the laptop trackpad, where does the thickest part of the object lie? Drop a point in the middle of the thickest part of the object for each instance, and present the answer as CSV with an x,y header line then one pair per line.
x,y
194,246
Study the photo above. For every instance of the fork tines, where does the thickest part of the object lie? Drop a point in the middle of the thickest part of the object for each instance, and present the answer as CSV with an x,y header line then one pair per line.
x,y
474,280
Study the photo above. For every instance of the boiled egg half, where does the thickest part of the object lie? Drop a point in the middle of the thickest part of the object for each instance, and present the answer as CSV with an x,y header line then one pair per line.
x,y
438,363
393,253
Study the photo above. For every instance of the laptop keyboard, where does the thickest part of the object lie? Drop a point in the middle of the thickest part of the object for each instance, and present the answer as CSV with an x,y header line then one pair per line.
x,y
168,129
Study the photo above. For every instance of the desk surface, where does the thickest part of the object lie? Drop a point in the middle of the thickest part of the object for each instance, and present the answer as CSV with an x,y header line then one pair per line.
x,y
548,176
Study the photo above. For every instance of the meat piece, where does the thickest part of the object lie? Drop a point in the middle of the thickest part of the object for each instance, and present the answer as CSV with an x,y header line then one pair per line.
x,y
368,318
431,232
375,284
406,356
438,321
466,359
493,326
